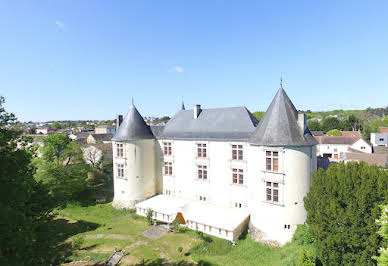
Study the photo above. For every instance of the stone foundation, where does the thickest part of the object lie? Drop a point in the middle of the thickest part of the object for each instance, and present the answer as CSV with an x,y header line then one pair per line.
x,y
257,235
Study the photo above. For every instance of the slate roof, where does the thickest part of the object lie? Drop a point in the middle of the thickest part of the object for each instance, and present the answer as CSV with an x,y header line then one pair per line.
x,y
102,137
233,123
380,150
336,140
279,126
351,134
133,127
157,130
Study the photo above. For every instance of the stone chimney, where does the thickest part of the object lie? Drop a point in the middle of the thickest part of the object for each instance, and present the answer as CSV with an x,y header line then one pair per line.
x,y
119,120
302,122
197,110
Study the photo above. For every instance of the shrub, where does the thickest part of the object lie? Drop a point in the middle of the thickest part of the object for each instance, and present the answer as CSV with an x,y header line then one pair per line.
x,y
180,249
334,132
175,225
150,221
303,235
306,258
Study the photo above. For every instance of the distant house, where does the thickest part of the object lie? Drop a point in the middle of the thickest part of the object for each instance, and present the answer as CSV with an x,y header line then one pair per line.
x,y
105,129
383,129
99,138
42,130
379,139
332,146
370,158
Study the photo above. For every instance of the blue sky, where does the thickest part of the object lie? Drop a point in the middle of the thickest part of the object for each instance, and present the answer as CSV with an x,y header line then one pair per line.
x,y
87,59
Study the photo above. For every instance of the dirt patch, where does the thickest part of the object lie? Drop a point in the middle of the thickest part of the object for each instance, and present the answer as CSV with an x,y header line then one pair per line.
x,y
155,232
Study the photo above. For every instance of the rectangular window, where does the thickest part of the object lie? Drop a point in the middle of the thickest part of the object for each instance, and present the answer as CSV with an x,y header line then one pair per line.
x,y
201,148
237,152
238,176
381,139
167,148
167,168
202,198
202,172
272,161
120,170
120,150
272,191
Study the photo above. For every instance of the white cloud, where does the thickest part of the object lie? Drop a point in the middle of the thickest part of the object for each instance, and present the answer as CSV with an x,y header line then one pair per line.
x,y
177,69
60,24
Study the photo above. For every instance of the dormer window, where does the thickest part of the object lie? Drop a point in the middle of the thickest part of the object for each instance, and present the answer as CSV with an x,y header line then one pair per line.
x,y
201,149
167,148
120,150
237,152
272,161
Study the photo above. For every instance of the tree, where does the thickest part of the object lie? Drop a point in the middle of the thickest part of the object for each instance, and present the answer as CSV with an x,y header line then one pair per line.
x,y
330,123
62,168
383,232
92,156
25,205
313,125
258,115
345,125
334,132
342,206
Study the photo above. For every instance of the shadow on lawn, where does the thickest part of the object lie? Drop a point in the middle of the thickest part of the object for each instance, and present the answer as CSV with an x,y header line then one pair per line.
x,y
54,234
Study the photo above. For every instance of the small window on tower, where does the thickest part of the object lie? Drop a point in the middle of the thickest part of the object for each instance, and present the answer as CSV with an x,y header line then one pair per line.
x,y
272,161
167,148
201,150
202,172
272,192
120,171
238,176
167,168
120,150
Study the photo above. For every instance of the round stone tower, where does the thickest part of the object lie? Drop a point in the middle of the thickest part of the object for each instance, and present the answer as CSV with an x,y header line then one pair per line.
x,y
134,164
281,176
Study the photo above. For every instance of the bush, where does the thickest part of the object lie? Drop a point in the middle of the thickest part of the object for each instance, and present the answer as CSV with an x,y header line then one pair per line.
x,y
334,132
150,221
306,258
303,235
180,249
175,225
77,241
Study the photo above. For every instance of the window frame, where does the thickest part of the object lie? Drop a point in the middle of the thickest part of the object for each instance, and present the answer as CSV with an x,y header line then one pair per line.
x,y
167,148
167,171
270,159
237,176
202,172
202,150
270,188
237,152
120,171
120,150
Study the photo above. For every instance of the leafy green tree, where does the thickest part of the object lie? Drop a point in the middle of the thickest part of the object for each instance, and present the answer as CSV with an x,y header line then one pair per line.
x,y
334,132
345,125
25,205
164,119
56,124
258,115
330,123
342,206
313,125
62,168
383,232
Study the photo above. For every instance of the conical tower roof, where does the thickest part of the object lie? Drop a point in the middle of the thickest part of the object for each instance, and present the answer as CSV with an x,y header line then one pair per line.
x,y
133,127
279,125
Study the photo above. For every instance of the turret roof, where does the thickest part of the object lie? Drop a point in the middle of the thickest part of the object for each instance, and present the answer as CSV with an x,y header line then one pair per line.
x,y
133,127
279,125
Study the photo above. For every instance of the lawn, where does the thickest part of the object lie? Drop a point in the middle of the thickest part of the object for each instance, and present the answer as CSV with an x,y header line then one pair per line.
x,y
94,231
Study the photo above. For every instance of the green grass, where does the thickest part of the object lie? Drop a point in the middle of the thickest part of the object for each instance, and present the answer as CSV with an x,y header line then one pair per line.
x,y
123,228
